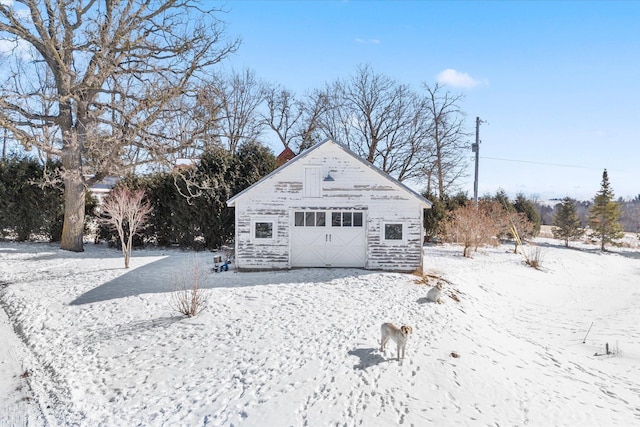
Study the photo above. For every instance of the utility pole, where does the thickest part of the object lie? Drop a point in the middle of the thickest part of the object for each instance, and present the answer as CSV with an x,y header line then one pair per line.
x,y
476,149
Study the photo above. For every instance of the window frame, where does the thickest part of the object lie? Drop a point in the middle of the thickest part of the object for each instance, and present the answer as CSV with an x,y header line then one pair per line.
x,y
264,220
318,218
383,232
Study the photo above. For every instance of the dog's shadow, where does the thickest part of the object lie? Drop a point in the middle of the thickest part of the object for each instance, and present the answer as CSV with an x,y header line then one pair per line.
x,y
368,357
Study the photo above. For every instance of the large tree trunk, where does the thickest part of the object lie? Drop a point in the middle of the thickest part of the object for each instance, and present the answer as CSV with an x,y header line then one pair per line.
x,y
74,198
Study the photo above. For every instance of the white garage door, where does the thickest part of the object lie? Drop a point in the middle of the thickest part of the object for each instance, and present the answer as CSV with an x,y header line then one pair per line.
x,y
328,238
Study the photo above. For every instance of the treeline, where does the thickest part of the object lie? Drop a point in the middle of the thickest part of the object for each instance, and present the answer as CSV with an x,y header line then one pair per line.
x,y
189,204
495,218
629,208
31,200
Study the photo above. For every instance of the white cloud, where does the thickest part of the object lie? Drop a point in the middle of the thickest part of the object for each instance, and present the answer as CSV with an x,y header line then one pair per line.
x,y
18,48
6,2
369,41
455,78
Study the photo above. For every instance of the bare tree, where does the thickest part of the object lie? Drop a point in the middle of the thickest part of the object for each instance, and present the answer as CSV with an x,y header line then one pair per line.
x,y
126,211
295,122
283,113
114,68
448,138
383,121
315,105
236,98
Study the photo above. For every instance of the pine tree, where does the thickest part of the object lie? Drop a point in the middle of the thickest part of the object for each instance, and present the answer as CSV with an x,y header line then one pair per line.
x,y
527,207
567,222
604,214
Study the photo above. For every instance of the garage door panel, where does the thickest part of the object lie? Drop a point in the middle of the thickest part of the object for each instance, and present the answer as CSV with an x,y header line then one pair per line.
x,y
308,247
335,243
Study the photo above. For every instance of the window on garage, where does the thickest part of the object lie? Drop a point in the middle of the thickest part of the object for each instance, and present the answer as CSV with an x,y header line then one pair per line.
x,y
393,231
263,230
309,219
346,219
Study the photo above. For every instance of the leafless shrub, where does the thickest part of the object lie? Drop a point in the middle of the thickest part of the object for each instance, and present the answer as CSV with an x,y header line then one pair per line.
x,y
472,226
188,297
534,256
125,211
521,229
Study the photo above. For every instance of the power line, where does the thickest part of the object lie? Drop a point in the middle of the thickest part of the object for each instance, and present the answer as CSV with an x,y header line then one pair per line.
x,y
541,163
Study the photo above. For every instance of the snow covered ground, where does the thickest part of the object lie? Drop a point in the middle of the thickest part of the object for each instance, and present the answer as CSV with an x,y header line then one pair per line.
x,y
88,343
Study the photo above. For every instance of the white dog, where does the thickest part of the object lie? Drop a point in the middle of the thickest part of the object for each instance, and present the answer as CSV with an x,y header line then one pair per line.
x,y
435,293
399,335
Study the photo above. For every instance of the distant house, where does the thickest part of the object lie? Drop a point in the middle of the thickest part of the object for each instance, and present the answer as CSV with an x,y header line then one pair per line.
x,y
286,155
100,189
327,207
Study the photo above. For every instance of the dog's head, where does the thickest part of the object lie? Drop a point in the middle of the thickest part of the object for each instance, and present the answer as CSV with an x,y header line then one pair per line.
x,y
405,331
439,285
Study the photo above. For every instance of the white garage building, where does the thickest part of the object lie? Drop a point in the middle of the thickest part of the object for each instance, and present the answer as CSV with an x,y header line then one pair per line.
x,y
327,207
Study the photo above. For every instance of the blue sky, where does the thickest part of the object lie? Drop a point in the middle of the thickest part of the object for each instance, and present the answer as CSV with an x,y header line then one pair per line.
x,y
558,83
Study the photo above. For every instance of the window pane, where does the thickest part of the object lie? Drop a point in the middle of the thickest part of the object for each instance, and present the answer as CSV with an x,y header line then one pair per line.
x,y
357,219
264,230
393,231
346,219
336,219
310,219
320,219
299,219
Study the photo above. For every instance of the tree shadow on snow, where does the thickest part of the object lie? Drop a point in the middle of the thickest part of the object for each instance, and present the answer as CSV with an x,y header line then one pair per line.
x,y
159,277
368,357
133,328
149,278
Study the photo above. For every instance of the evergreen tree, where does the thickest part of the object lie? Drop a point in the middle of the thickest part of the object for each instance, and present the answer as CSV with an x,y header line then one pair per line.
x,y
503,200
28,208
604,214
567,222
228,175
434,218
528,208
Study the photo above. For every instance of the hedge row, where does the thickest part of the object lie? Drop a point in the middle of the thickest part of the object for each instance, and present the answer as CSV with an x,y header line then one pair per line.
x,y
189,204
30,206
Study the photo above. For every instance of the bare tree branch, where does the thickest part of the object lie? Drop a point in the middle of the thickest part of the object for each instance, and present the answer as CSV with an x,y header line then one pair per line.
x,y
114,68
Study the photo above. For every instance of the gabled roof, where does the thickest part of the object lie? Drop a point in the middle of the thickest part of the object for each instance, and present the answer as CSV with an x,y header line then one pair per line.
x,y
286,155
426,203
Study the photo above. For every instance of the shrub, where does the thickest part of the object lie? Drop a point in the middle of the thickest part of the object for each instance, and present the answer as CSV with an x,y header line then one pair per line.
x,y
188,297
471,226
434,218
534,256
